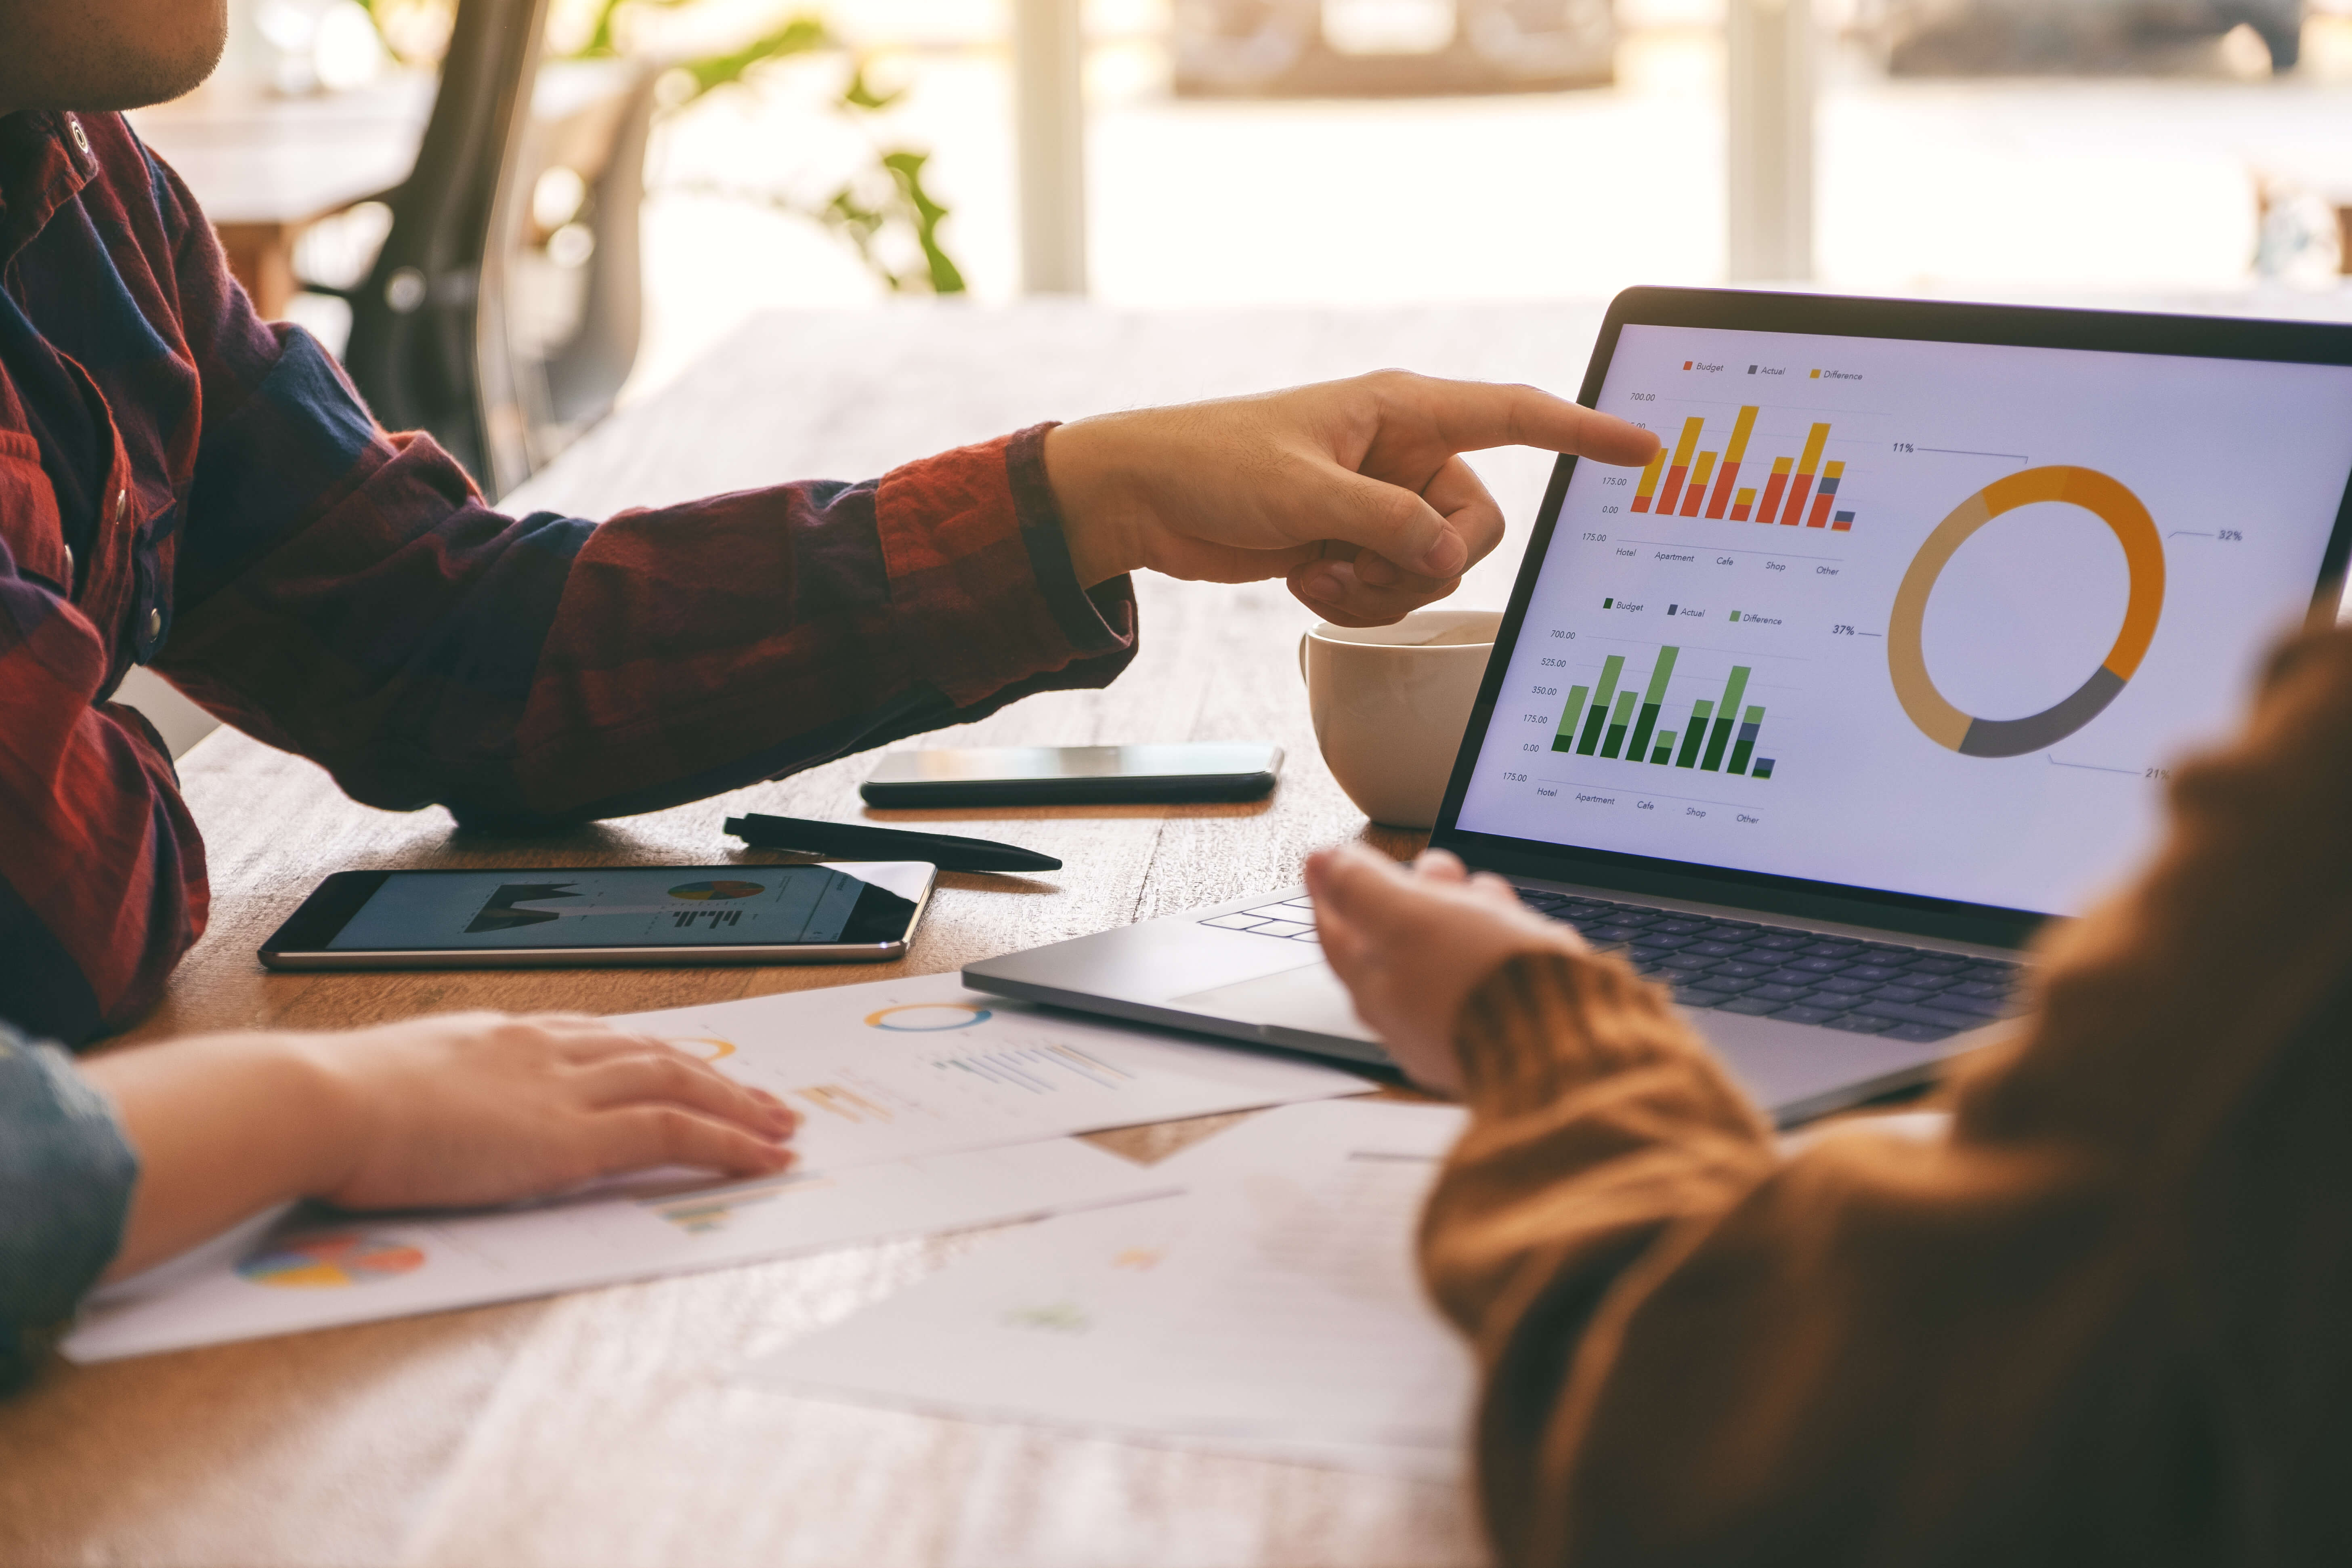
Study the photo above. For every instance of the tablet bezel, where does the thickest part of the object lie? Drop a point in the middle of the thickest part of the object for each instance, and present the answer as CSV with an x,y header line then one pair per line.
x,y
875,931
2012,326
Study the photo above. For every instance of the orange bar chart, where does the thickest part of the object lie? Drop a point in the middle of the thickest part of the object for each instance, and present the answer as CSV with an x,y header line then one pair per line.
x,y
1734,453
1685,482
1650,481
1827,494
1675,476
1698,491
1806,467
1773,487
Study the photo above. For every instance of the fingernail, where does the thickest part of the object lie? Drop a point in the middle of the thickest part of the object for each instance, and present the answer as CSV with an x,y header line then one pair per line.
x,y
1323,587
1446,558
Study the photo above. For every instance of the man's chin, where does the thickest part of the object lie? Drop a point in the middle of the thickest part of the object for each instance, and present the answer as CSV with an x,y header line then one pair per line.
x,y
107,54
151,78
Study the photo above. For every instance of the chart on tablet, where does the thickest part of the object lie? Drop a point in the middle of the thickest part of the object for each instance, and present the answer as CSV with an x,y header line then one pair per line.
x,y
1876,605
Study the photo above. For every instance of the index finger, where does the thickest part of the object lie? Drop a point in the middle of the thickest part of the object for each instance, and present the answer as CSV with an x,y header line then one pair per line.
x,y
1471,415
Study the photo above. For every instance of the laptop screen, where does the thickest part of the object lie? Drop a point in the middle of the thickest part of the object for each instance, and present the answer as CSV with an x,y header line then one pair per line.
x,y
1929,618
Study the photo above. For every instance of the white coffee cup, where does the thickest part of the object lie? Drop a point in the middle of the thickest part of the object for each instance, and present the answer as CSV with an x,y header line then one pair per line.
x,y
1391,704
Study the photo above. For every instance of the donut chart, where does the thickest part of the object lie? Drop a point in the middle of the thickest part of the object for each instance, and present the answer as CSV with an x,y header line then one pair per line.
x,y
927,1017
2103,498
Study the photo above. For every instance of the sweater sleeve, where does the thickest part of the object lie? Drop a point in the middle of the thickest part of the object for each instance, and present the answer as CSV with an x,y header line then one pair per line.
x,y
2063,1330
66,1179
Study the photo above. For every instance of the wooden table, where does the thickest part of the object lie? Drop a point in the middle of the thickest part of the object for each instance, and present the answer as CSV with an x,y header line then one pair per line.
x,y
265,168
597,1427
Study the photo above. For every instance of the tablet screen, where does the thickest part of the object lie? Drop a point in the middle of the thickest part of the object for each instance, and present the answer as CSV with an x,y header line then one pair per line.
x,y
1930,618
621,906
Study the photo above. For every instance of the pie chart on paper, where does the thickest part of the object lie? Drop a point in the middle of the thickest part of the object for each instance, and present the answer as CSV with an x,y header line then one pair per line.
x,y
328,1262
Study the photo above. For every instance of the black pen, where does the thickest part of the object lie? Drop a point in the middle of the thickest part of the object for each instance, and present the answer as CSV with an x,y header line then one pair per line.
x,y
944,850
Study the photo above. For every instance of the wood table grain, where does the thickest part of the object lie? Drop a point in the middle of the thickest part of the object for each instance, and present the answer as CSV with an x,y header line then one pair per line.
x,y
599,1427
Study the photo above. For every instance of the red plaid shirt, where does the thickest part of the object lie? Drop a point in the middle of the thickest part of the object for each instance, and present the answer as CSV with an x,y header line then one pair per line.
x,y
184,485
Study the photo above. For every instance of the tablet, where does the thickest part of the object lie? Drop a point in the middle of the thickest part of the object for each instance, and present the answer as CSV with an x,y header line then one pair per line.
x,y
511,917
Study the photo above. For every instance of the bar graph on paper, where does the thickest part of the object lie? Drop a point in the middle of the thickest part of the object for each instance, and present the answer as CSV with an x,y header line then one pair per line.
x,y
1631,715
1689,477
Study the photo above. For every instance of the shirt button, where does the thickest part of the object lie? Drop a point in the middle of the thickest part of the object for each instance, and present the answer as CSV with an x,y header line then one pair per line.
x,y
121,506
81,137
69,568
154,624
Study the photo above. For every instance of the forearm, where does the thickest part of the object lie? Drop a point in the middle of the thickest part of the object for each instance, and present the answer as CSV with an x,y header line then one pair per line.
x,y
427,650
224,1126
1598,1119
1602,1132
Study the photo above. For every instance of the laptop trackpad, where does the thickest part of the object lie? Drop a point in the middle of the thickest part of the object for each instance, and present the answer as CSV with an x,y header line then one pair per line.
x,y
1309,998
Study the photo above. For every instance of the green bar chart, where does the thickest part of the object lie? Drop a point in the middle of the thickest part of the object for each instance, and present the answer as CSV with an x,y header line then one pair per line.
x,y
1695,736
1720,736
1618,717
1611,719
1564,737
1652,700
1598,715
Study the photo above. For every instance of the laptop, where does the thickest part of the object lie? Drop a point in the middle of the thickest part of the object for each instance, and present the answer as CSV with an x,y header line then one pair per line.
x,y
1882,665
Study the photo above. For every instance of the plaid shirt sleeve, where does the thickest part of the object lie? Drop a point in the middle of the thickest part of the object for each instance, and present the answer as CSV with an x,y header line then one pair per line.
x,y
345,594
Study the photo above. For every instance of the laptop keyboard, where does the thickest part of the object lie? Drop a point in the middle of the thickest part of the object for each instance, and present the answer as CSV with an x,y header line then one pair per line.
x,y
1796,976
1293,919
1764,971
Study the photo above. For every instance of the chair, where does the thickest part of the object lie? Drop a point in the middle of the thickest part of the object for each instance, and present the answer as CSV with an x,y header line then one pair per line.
x,y
574,291
427,341
501,327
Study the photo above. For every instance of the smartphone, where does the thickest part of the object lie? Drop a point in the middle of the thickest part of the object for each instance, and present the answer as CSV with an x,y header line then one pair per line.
x,y
1074,776
538,917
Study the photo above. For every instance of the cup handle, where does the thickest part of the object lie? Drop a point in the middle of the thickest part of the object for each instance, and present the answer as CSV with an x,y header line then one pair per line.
x,y
1302,655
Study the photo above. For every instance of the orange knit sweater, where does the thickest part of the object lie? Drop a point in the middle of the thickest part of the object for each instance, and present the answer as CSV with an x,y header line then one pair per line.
x,y
2108,1318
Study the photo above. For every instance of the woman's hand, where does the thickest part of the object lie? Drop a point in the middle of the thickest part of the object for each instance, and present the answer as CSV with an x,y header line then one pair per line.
x,y
1354,491
1412,944
479,1108
466,1109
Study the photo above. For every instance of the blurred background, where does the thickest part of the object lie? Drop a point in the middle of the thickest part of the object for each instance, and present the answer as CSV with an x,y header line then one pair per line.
x,y
1377,151
513,215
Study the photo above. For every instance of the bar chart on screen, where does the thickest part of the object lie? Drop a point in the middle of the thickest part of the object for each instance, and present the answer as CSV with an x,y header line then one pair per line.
x,y
1697,473
1667,719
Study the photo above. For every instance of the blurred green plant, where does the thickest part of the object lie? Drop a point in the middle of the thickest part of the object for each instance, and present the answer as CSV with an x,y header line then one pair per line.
x,y
878,209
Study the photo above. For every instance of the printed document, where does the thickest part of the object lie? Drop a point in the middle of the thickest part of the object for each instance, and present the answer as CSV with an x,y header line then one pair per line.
x,y
924,1107
1276,1308
309,1270
914,1066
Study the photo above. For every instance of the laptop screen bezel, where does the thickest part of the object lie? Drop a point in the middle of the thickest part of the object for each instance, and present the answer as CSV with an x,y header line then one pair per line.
x,y
2110,331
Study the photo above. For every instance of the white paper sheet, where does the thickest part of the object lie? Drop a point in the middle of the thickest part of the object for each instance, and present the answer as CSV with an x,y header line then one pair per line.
x,y
924,1108
902,1067
299,1273
1276,1308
